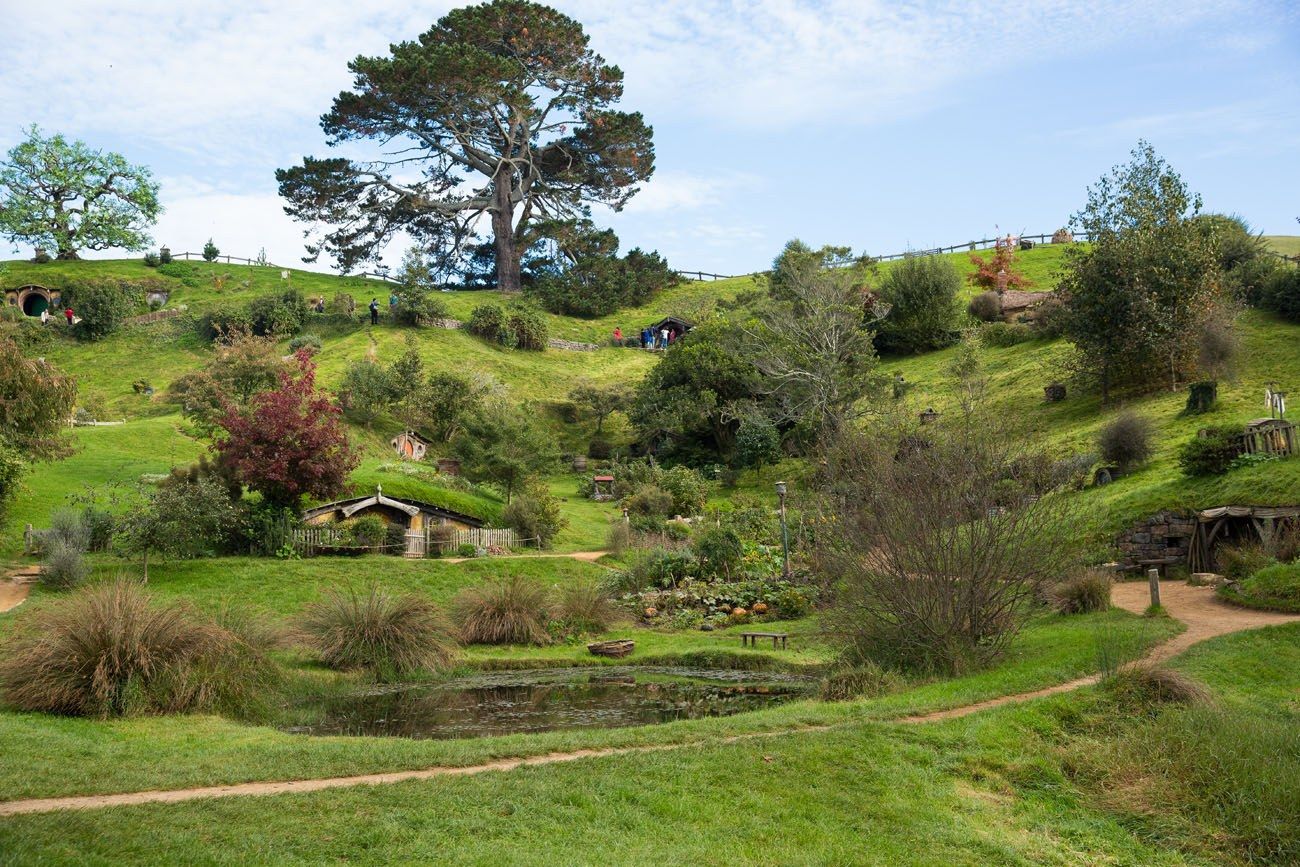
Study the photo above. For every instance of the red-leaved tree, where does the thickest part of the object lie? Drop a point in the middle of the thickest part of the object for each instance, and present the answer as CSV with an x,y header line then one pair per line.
x,y
289,442
999,272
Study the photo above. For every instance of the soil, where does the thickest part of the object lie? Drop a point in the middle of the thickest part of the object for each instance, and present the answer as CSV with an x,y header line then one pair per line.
x,y
1205,616
15,586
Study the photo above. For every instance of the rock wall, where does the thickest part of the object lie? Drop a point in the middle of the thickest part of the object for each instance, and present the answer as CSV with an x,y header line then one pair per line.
x,y
1162,536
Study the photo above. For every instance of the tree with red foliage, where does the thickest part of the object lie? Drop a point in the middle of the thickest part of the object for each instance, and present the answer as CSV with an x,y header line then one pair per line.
x,y
999,272
288,442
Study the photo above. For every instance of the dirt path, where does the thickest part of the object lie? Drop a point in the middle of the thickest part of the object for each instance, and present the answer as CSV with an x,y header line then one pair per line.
x,y
15,586
1205,616
584,556
1197,607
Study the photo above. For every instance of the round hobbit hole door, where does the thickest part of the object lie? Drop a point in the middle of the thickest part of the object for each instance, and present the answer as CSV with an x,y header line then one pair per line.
x,y
34,301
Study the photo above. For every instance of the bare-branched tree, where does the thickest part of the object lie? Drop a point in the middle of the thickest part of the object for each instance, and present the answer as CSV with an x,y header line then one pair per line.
x,y
936,546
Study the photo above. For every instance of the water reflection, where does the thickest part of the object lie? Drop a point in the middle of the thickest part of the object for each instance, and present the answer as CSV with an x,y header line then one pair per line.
x,y
550,699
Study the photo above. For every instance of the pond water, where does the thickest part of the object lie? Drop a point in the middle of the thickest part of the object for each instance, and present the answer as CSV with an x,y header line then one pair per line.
x,y
540,700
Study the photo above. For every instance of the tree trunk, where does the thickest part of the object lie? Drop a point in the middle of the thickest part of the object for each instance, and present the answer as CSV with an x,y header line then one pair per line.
x,y
146,565
503,234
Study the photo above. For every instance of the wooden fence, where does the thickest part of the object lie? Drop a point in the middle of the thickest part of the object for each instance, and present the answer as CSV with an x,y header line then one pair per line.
x,y
310,541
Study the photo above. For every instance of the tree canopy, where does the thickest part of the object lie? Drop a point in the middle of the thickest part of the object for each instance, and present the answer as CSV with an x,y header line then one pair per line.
x,y
499,111
70,197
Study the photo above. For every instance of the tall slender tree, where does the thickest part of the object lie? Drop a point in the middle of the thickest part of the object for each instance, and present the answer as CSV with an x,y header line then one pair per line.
x,y
501,111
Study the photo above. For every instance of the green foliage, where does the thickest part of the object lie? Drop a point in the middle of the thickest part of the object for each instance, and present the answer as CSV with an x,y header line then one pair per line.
x,y
846,682
535,515
182,519
64,195
505,447
526,328
1273,587
600,283
368,391
439,407
650,501
210,251
921,292
1201,397
1281,293
101,305
599,401
367,531
35,402
451,88
798,264
986,307
11,474
1125,441
1142,687
512,610
390,636
1210,454
64,565
487,321
719,550
1006,333
309,342
279,314
151,259
1138,294
758,442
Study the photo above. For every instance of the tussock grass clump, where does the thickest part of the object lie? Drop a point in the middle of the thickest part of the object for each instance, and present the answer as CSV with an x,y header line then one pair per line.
x,y
1147,686
508,611
388,635
1125,441
585,607
109,650
862,680
1084,593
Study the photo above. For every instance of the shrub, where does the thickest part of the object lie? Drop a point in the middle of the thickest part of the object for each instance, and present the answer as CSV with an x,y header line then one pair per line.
x,y
368,531
657,567
109,651
1281,293
211,251
68,528
99,525
619,538
791,603
64,566
720,551
599,449
1125,441
1146,686
986,307
650,501
1201,397
526,329
535,515
1084,593
1209,453
584,607
1006,333
1239,562
151,260
845,682
506,611
688,488
418,305
279,314
922,293
101,305
487,321
390,636
466,549
309,342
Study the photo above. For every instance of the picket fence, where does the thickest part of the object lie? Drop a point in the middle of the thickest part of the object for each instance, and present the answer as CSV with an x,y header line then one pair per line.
x,y
310,541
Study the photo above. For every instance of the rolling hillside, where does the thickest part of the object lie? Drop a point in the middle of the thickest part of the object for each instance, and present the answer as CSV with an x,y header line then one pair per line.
x,y
154,437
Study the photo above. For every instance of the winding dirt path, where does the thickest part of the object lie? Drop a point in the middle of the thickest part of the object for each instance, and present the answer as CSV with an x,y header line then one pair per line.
x,y
15,586
1197,607
584,556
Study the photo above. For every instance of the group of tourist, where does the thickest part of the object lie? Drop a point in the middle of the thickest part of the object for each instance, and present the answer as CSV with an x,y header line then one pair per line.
x,y
652,339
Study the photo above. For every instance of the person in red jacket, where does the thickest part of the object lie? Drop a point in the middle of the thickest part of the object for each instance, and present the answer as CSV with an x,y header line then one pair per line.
x,y
68,314
618,336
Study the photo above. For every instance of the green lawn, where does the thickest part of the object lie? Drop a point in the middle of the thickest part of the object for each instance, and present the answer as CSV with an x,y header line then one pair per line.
x,y
1288,245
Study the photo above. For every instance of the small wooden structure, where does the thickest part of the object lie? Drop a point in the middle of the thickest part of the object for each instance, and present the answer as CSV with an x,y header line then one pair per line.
x,y
602,488
751,638
929,415
416,517
449,466
618,648
1269,436
410,446
1237,525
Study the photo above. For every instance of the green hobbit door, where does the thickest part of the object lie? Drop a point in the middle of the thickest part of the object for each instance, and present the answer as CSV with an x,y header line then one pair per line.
x,y
34,302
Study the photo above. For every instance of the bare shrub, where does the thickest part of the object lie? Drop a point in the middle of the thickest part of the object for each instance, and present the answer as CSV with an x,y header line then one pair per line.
x,y
1239,562
1125,441
109,650
506,611
1084,593
930,570
64,566
388,635
585,607
986,307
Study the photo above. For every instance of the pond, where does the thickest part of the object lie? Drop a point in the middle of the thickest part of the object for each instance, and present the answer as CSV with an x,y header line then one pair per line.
x,y
539,700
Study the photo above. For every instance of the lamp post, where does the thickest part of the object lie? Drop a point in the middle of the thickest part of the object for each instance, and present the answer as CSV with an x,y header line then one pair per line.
x,y
785,535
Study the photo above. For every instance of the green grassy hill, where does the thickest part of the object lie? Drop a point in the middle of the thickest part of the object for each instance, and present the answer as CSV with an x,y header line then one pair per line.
x,y
154,437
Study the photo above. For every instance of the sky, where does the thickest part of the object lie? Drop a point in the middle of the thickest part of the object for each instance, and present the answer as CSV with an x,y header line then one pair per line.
x,y
884,126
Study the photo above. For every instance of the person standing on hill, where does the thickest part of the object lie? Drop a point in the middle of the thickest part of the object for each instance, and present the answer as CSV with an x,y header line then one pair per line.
x,y
618,336
374,311
45,315
392,303
69,315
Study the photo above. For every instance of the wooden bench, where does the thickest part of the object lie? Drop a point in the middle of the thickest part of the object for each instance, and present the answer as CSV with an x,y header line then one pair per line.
x,y
751,638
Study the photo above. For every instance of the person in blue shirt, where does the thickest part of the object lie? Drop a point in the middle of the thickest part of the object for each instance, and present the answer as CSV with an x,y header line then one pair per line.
x,y
374,311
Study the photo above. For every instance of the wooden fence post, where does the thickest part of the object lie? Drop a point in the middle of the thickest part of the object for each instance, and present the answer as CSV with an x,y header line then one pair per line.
x,y
1153,582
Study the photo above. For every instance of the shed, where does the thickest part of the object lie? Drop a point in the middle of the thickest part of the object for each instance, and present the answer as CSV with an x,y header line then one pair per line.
x,y
410,445
674,325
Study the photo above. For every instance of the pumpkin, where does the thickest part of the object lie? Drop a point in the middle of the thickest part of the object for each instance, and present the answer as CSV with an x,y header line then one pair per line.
x,y
651,612
760,608
738,612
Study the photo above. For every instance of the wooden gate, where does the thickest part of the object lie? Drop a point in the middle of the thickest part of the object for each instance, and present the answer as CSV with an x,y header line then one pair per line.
x,y
416,543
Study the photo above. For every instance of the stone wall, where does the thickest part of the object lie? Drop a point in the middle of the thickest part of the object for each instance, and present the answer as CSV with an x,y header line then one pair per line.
x,y
1162,536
